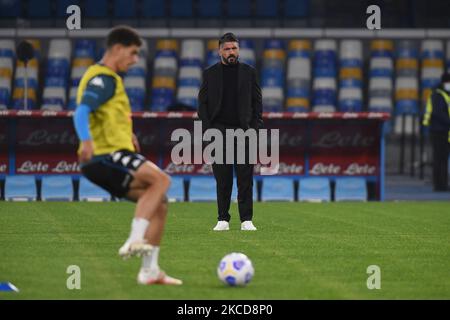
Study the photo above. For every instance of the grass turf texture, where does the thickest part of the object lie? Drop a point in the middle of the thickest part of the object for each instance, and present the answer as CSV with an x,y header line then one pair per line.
x,y
300,251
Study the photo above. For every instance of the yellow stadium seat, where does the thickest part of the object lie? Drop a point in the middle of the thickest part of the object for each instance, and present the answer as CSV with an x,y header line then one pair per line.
x,y
33,63
382,45
167,44
350,73
297,102
432,63
83,62
401,94
426,93
406,63
213,45
299,45
274,54
19,93
163,82
5,73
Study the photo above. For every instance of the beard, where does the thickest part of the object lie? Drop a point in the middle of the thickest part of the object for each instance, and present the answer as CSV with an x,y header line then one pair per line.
x,y
231,59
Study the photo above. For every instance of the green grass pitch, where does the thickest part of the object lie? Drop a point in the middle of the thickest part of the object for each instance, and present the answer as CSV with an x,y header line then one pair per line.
x,y
300,251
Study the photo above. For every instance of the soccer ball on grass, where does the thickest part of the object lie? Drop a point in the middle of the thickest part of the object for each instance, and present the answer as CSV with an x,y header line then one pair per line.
x,y
235,269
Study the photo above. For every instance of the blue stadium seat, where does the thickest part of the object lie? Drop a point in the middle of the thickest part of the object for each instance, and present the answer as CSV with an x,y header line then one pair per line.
x,y
296,8
5,95
314,189
91,192
239,8
96,9
62,5
266,8
176,190
10,9
202,189
208,8
181,8
57,188
39,8
350,189
277,189
153,8
20,188
125,9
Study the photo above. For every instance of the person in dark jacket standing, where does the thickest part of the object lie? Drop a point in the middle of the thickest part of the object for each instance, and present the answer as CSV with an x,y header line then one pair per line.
x,y
437,118
230,98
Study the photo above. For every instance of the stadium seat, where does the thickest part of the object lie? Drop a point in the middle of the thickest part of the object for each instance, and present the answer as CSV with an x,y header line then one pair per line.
x,y
277,189
314,189
266,8
62,5
90,192
20,188
202,189
125,9
296,8
57,188
96,9
350,189
10,9
39,8
209,9
181,8
239,8
153,8
176,190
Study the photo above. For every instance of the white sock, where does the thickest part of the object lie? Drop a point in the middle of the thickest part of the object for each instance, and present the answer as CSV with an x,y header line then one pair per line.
x,y
151,261
138,228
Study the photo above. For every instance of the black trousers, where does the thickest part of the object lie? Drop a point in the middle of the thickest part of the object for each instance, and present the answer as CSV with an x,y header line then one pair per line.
x,y
440,145
223,173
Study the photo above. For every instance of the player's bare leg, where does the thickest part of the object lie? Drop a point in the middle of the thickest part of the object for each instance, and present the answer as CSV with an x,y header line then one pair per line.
x,y
150,272
148,189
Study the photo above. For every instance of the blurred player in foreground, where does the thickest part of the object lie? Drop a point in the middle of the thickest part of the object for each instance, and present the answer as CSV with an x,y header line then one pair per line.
x,y
108,152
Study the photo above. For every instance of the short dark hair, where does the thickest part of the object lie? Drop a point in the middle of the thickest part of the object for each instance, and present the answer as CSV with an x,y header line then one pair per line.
x,y
123,35
228,37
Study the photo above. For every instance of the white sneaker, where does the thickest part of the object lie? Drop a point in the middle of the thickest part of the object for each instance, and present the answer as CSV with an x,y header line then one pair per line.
x,y
222,226
138,248
248,226
149,277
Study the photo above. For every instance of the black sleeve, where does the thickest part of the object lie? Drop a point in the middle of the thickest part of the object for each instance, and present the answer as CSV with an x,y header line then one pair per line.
x,y
203,102
99,90
257,121
440,113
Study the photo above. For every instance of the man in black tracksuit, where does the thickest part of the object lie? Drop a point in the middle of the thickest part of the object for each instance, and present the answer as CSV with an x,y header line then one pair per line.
x,y
230,98
437,118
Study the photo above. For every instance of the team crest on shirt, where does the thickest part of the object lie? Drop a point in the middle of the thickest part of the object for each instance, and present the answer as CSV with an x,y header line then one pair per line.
x,y
97,81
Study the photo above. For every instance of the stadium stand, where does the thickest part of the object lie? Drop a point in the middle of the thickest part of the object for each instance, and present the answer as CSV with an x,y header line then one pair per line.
x,y
277,189
57,188
350,189
314,189
324,71
165,69
272,75
298,76
32,74
201,189
176,190
380,76
20,188
90,192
